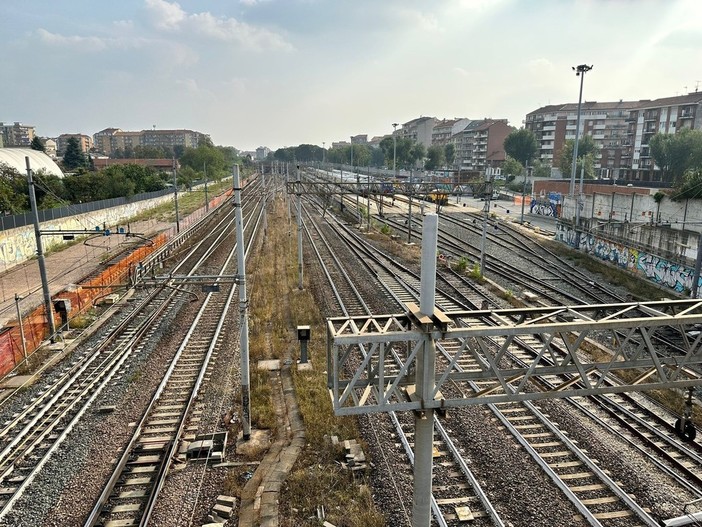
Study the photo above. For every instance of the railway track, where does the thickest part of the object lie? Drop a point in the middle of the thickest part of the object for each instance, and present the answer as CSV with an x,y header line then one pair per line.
x,y
598,498
29,440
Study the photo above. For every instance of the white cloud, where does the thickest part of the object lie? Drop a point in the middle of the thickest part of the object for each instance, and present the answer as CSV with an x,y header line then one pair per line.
x,y
166,15
87,44
461,72
231,30
171,17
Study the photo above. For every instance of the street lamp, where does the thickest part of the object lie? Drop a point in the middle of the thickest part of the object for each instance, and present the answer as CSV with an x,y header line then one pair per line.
x,y
394,149
579,71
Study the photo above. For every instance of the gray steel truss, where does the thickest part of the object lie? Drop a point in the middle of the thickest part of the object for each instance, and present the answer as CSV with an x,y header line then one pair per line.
x,y
371,359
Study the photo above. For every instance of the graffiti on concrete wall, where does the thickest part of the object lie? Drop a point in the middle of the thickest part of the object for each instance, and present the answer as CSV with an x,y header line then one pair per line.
x,y
659,270
19,245
545,208
665,273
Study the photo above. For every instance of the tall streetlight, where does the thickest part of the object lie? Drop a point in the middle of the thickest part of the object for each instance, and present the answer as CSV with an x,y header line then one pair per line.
x,y
579,71
394,149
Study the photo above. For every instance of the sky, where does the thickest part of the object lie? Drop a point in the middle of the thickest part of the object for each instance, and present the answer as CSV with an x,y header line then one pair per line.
x,y
281,73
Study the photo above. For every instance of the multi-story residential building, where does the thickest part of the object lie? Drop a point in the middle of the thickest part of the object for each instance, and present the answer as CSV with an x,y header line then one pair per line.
x,y
605,122
418,130
16,134
445,129
262,153
621,130
109,140
481,145
84,141
667,116
103,139
360,139
50,147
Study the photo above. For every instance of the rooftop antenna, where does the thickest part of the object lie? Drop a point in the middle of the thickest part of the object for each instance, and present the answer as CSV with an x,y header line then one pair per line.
x,y
697,86
685,87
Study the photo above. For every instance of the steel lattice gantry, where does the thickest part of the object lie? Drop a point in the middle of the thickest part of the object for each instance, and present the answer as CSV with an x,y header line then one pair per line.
x,y
371,359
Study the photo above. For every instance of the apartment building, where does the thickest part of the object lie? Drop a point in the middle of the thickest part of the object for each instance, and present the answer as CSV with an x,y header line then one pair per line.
x,y
668,116
418,130
621,130
262,153
16,134
606,122
84,141
445,129
109,140
480,145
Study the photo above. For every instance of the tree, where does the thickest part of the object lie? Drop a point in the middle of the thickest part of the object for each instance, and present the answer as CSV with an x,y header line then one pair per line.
x,y
37,144
14,193
512,168
417,153
587,150
435,157
540,170
450,153
677,153
203,155
73,157
521,145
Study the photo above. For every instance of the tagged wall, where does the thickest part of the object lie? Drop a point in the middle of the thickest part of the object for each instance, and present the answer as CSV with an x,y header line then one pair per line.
x,y
659,270
19,245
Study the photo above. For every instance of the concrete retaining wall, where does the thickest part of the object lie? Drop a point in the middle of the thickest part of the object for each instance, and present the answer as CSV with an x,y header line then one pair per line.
x,y
19,245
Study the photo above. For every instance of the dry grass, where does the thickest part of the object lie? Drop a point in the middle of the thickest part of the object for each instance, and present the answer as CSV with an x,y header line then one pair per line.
x,y
277,308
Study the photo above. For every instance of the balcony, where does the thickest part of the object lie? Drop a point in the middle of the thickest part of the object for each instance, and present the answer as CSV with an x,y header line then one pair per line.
x,y
687,115
549,128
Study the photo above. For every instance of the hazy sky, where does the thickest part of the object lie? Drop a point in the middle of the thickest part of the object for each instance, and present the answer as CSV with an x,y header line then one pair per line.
x,y
286,72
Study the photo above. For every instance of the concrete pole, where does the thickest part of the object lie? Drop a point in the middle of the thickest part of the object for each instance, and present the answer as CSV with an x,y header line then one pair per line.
x,y
21,326
698,266
243,310
299,231
40,253
175,196
526,169
409,213
424,421
207,201
358,198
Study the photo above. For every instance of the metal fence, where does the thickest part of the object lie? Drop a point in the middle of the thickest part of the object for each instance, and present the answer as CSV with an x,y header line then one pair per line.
x,y
20,220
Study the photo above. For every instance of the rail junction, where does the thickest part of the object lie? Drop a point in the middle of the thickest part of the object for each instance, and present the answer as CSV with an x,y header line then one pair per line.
x,y
441,369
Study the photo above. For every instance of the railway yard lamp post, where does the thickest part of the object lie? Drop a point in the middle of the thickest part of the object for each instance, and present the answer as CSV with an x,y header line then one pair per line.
x,y
579,71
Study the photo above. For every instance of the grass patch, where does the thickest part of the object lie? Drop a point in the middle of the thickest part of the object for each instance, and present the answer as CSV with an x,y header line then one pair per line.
x,y
277,308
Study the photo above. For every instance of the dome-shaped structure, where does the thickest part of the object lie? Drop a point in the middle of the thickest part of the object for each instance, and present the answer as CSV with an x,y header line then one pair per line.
x,y
14,157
